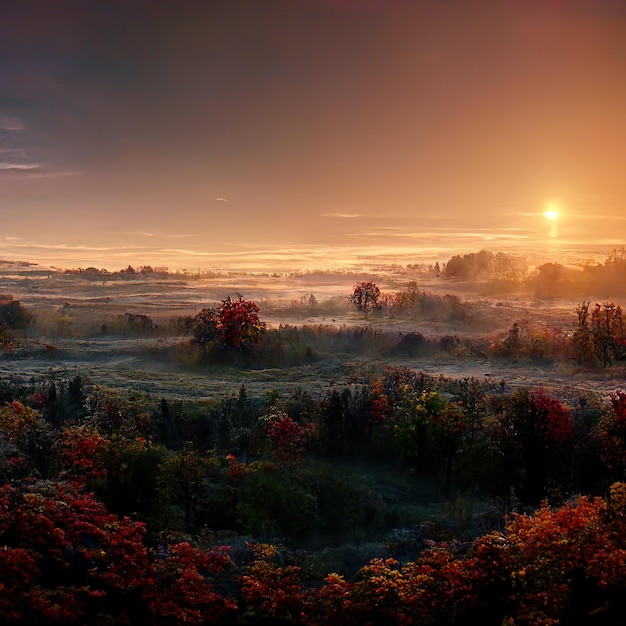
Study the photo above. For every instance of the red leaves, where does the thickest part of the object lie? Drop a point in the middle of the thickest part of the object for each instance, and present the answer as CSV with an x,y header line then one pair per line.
x,y
553,417
58,541
65,556
365,296
536,415
289,439
239,324
235,323
80,455
65,559
182,591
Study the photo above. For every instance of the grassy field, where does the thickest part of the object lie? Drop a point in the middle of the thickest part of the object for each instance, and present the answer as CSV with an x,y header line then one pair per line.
x,y
77,329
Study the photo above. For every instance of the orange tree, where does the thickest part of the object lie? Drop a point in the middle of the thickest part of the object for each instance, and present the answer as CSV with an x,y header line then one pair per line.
x,y
31,436
557,566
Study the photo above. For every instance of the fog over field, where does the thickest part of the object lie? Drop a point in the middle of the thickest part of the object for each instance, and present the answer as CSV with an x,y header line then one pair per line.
x,y
77,315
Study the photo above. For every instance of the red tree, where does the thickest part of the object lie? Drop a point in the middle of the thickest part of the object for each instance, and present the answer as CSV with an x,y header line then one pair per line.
x,y
65,560
612,433
238,324
289,439
235,323
365,296
529,430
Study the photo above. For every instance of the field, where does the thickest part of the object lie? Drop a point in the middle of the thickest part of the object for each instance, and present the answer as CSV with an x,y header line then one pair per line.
x,y
77,330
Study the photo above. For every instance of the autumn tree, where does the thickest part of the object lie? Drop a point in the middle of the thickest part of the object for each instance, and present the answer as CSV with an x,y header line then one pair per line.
x,y
607,332
66,560
235,323
239,323
69,558
272,593
582,347
31,435
530,429
204,326
80,455
289,439
611,430
366,296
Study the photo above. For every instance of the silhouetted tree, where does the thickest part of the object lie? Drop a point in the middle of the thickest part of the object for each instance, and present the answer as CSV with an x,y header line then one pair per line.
x,y
366,296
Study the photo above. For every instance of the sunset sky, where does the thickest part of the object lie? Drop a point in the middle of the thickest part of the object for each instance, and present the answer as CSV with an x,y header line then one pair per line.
x,y
309,133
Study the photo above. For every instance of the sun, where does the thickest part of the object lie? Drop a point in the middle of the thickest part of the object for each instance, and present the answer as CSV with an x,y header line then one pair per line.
x,y
552,211
551,215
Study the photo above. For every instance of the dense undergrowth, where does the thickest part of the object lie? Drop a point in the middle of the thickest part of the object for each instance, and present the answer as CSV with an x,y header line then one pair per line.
x,y
298,510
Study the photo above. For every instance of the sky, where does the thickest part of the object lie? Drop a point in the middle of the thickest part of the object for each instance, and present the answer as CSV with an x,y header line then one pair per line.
x,y
288,134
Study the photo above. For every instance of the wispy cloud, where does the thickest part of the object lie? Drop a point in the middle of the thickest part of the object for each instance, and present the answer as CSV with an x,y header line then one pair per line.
x,y
63,246
52,174
19,166
163,235
618,218
341,215
8,122
495,234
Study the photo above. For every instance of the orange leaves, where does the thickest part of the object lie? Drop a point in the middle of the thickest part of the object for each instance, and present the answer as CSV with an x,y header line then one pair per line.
x,y
16,419
270,591
526,575
379,404
182,591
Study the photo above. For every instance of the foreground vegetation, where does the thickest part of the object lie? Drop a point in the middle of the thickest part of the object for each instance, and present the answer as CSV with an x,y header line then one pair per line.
x,y
131,509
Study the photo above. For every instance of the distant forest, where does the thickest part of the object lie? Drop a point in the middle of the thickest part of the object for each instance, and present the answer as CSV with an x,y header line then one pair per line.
x,y
510,273
498,272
